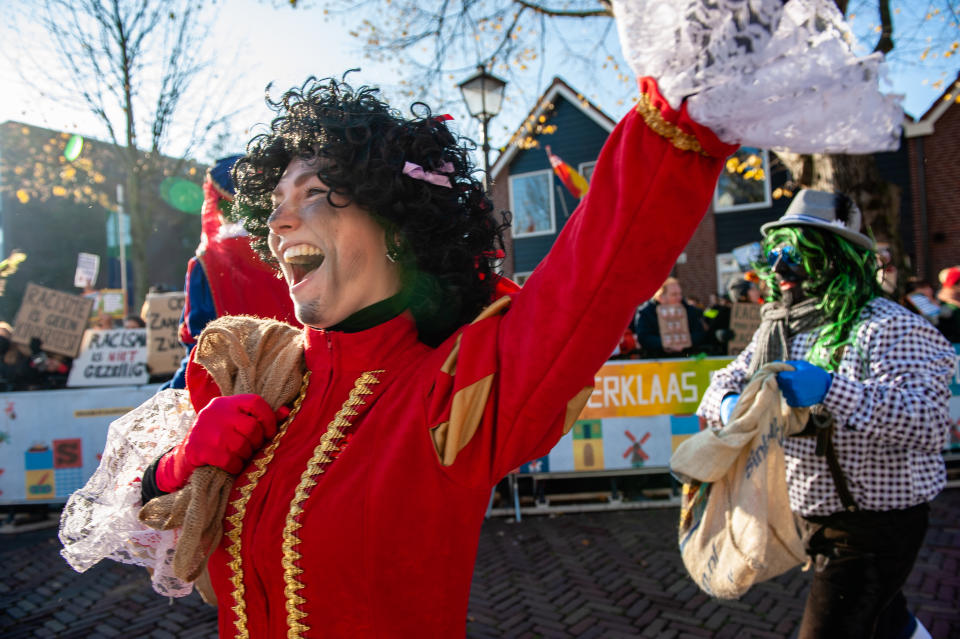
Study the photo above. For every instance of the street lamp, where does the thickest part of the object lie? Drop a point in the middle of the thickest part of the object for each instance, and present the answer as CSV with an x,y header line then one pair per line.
x,y
483,94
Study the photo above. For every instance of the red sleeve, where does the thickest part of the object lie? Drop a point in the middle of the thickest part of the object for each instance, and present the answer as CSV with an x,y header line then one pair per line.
x,y
184,330
200,384
652,184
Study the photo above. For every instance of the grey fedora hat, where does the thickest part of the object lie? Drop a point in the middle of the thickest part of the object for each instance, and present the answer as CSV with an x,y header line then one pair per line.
x,y
819,209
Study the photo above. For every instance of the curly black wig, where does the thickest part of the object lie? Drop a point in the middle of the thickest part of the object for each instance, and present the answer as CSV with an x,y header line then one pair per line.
x,y
450,238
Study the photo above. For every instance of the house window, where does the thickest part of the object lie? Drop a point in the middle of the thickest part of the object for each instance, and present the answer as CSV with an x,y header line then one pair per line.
x,y
727,267
521,278
586,169
745,181
531,201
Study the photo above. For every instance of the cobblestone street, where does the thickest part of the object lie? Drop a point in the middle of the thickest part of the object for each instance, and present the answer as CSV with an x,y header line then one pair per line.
x,y
608,575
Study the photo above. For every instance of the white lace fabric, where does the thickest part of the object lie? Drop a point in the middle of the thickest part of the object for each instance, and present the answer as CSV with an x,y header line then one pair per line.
x,y
763,73
100,521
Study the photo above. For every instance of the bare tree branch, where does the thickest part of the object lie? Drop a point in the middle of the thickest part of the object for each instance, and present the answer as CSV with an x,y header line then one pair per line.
x,y
606,12
133,64
885,43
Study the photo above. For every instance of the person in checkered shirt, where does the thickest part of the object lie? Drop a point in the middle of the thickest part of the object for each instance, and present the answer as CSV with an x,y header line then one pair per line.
x,y
877,378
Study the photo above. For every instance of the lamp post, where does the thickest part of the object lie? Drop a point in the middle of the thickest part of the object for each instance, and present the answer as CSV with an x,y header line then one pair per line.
x,y
483,94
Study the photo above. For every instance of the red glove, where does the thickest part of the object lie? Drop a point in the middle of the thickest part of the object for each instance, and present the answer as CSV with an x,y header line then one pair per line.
x,y
226,434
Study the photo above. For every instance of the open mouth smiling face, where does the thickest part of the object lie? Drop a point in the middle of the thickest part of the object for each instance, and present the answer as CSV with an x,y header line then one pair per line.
x,y
300,260
332,253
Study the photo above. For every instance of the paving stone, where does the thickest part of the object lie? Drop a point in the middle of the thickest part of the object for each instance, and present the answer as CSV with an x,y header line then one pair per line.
x,y
533,580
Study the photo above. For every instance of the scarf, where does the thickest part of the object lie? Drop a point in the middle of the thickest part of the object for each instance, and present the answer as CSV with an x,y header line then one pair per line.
x,y
778,323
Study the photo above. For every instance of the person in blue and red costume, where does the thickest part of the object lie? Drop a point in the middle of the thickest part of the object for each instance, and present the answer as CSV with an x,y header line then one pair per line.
x,y
426,377
878,378
225,271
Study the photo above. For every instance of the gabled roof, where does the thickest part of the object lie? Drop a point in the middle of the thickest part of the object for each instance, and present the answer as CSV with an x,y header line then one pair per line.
x,y
557,88
925,125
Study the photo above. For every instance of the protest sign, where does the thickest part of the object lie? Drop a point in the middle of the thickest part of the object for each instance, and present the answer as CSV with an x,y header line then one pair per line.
x,y
744,321
57,318
110,302
674,330
162,314
111,358
88,266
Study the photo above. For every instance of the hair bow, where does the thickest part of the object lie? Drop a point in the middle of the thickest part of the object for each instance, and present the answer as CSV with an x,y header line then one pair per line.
x,y
417,172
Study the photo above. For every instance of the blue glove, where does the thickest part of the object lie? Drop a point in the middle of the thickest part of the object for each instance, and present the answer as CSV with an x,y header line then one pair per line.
x,y
727,404
805,386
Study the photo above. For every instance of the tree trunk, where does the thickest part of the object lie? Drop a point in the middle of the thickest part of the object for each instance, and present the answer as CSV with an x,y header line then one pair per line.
x,y
139,233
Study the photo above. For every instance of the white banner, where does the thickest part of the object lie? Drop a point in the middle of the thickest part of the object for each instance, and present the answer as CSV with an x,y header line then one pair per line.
x,y
51,441
115,357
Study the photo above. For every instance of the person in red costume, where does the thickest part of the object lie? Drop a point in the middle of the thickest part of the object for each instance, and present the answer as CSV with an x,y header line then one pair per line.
x,y
429,377
224,270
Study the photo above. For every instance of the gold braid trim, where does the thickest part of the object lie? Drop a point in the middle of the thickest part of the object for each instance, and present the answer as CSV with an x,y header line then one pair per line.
x,y
329,443
654,119
240,505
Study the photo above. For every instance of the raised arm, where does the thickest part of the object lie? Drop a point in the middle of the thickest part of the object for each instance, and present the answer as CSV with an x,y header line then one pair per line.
x,y
652,184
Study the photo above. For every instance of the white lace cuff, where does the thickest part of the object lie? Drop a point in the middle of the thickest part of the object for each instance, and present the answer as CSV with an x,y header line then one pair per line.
x,y
100,520
763,73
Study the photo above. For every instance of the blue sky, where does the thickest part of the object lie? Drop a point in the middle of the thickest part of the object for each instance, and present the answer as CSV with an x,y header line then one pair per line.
x,y
262,42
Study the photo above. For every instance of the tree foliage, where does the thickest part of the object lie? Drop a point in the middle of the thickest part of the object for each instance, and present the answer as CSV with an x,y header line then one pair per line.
x,y
134,65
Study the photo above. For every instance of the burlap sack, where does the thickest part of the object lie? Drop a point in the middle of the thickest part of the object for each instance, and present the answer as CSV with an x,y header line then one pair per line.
x,y
736,527
243,355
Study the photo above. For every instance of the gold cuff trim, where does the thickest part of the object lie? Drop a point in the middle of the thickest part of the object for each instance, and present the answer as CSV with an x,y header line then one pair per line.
x,y
654,119
329,443
240,505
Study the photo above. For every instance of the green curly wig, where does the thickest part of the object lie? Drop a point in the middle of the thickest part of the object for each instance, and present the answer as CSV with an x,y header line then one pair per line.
x,y
842,275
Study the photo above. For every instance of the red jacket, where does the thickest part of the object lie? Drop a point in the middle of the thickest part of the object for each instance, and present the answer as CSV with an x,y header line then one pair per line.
x,y
381,541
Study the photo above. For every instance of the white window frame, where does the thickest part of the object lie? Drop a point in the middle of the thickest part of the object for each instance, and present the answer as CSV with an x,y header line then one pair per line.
x,y
553,211
525,274
727,267
767,198
582,169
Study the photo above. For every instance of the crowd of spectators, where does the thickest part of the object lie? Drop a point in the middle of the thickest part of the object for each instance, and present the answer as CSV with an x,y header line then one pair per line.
x,y
709,326
30,367
710,331
941,308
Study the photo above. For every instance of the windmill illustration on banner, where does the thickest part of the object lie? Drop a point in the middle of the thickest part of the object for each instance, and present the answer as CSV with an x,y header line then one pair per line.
x,y
635,450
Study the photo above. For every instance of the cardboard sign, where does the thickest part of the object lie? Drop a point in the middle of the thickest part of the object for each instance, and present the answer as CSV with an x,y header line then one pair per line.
x,y
111,358
88,266
674,330
744,321
162,314
57,318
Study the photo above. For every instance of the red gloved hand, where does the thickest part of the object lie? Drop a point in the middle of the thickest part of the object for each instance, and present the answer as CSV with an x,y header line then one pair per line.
x,y
227,433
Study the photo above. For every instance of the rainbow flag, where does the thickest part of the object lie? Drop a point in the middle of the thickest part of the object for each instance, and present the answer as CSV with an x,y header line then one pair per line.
x,y
575,183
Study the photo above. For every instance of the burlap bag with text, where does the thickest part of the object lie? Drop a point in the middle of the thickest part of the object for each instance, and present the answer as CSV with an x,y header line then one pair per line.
x,y
736,527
